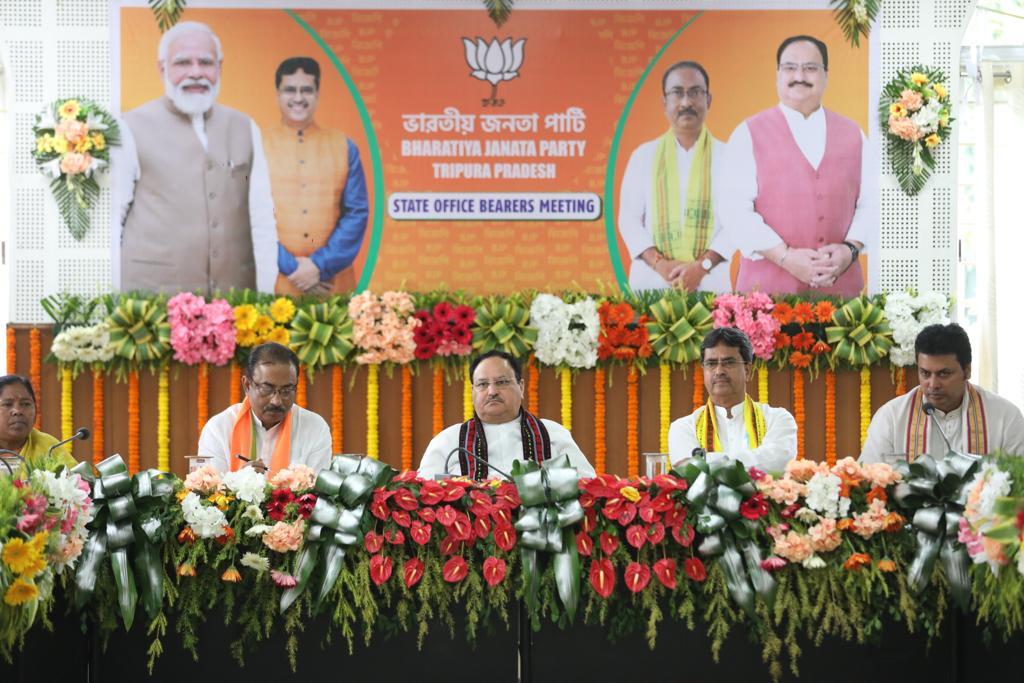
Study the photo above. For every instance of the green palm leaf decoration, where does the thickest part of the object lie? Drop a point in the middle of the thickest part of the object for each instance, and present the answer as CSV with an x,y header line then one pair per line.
x,y
677,328
321,334
503,325
855,18
139,333
167,12
861,334
498,10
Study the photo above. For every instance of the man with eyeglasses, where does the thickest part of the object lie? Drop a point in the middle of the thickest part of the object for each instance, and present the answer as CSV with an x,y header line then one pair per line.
x,y
267,429
666,216
501,431
319,189
731,423
972,419
800,197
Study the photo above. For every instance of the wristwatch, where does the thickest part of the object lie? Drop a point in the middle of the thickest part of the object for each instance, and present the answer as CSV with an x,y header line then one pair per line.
x,y
707,265
853,250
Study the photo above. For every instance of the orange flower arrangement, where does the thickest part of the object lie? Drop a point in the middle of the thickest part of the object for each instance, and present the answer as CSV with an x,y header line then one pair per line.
x,y
799,412
623,337
203,397
600,447
698,385
801,340
437,420
830,417
236,384
301,389
97,416
12,352
533,385
35,373
406,417
133,421
856,561
632,418
337,409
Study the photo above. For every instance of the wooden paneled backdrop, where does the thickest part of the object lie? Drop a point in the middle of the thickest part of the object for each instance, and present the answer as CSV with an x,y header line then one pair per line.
x,y
184,382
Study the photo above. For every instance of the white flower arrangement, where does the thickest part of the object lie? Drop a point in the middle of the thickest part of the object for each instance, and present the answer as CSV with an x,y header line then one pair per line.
x,y
823,496
247,484
82,344
908,314
566,333
207,521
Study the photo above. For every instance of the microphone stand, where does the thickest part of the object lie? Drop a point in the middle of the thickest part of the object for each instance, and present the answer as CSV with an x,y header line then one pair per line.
x,y
929,410
4,451
479,461
82,434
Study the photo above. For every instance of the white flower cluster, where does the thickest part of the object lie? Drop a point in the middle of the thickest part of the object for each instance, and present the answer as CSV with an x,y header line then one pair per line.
x,y
908,314
823,496
997,485
566,333
207,521
247,484
84,344
927,117
68,492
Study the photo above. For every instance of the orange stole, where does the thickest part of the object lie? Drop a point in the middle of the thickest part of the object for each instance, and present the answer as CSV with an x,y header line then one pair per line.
x,y
307,177
241,440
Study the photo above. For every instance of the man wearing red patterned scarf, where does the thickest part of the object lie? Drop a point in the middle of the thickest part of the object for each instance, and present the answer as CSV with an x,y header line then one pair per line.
x,y
501,431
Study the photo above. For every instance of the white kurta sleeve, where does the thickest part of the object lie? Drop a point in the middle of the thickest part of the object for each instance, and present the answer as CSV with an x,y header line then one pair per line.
x,y
881,437
124,173
682,438
562,443
214,441
316,452
866,215
432,462
261,217
633,204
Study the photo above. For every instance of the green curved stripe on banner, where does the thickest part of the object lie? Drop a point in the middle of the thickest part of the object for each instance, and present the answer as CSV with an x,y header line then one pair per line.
x,y
610,233
371,141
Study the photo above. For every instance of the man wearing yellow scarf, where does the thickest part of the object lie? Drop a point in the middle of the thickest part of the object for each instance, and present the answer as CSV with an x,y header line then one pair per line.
x,y
666,217
731,423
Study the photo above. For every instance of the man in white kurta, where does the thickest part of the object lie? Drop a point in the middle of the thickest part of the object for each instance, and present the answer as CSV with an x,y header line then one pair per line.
x,y
686,100
311,439
972,419
497,402
726,355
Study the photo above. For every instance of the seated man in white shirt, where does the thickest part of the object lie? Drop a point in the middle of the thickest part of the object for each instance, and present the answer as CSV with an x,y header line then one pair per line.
x,y
731,423
267,429
501,431
972,419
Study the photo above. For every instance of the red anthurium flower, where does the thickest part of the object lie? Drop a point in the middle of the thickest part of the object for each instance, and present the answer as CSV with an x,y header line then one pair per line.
x,y
380,568
481,509
428,515
663,502
613,507
507,496
450,545
408,477
636,536
590,520
494,570
446,515
637,576
412,571
482,527
669,482
648,513
505,536
608,543
419,533
627,513
431,493
402,518
694,568
501,516
683,535
394,537
405,499
675,517
461,527
656,533
455,569
373,542
584,544
602,577
453,493
754,507
665,570
380,509
587,500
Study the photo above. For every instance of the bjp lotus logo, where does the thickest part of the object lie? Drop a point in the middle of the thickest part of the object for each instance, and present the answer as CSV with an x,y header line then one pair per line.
x,y
494,62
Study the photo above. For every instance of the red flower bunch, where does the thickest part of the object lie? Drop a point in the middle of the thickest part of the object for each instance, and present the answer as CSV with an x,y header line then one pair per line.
x,y
444,331
801,337
623,336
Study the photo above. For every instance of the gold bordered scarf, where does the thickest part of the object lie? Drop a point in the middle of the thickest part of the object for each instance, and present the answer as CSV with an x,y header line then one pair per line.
x,y
976,439
682,232
707,426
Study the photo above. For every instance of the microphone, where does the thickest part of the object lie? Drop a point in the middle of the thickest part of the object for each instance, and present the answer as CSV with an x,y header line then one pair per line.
x,y
698,452
82,434
4,451
929,410
460,449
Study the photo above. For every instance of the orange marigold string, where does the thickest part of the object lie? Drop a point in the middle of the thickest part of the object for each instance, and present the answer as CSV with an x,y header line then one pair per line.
x,y
600,447
533,388
12,351
698,385
337,410
133,421
901,381
798,411
36,374
203,397
301,389
830,417
236,384
632,418
406,418
437,396
98,400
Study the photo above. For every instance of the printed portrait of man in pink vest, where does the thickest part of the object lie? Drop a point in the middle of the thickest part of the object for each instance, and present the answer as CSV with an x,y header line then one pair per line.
x,y
794,202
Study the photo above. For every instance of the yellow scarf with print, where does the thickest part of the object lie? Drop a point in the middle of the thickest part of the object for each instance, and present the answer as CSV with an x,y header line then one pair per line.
x,y
707,426
682,232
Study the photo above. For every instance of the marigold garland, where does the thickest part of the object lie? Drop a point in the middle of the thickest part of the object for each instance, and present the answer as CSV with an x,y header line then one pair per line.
x,y
337,410
901,381
467,393
12,352
798,411
66,407
865,403
762,384
830,417
372,410
664,405
163,421
236,384
632,418
698,386
133,421
35,373
437,395
600,447
565,375
98,400
301,388
533,385
406,418
203,397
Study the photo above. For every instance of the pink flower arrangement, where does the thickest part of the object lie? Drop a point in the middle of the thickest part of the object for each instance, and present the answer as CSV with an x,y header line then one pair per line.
x,y
782,491
911,100
444,331
791,546
284,537
298,477
204,480
752,315
201,331
383,327
824,536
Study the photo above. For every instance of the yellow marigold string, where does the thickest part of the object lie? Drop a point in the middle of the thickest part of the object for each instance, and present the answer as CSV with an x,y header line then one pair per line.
x,y
98,417
901,381
163,421
865,403
565,376
133,421
66,415
437,396
236,384
203,397
632,417
600,447
532,386
830,417
467,393
762,384
12,351
301,390
372,405
698,386
406,418
35,373
337,410
664,405
798,411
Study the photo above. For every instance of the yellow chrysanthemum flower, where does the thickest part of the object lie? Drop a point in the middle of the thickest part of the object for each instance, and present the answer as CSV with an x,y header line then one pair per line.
x,y
20,592
279,335
246,338
60,144
181,495
263,325
940,90
918,78
222,501
932,140
245,316
83,145
282,310
44,143
98,141
16,554
69,110
898,110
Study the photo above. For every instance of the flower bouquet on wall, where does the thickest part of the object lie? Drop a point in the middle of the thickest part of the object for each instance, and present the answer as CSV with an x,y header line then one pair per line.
x,y
915,113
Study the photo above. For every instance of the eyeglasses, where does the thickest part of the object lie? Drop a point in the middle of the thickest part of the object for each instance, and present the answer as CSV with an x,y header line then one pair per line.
x,y
291,90
286,392
694,93
724,363
499,384
808,68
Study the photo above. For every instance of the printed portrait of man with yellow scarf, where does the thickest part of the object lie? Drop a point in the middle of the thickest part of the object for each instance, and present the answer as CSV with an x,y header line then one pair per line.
x,y
666,216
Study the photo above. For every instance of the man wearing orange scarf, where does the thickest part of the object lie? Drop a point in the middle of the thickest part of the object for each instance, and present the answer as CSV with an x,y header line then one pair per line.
x,y
267,429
